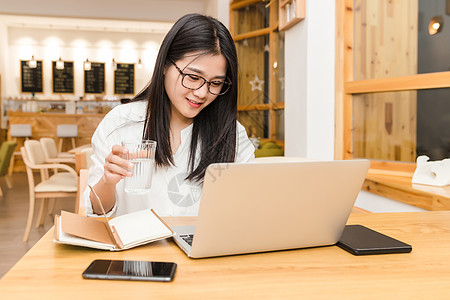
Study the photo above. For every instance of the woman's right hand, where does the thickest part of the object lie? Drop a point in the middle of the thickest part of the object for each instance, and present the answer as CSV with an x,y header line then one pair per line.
x,y
116,167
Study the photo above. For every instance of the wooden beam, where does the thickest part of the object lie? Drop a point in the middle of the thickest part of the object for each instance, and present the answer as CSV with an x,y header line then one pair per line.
x,y
252,34
269,106
274,75
343,148
413,82
241,4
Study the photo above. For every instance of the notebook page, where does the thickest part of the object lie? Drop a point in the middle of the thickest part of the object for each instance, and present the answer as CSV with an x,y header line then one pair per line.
x,y
139,226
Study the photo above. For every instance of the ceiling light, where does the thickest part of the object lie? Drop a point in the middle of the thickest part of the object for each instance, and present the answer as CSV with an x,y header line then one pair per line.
x,y
114,64
87,65
32,63
60,64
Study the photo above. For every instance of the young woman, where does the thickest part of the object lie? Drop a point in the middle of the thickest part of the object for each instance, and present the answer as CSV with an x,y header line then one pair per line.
x,y
189,108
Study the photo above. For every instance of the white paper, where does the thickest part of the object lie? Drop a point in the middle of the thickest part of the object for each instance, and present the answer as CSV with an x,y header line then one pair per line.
x,y
139,226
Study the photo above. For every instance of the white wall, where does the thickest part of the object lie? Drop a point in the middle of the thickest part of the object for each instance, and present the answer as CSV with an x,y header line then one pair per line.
x,y
219,9
147,10
100,39
309,83
76,45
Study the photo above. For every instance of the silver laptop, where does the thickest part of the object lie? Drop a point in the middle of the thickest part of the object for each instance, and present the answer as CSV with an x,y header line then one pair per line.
x,y
269,206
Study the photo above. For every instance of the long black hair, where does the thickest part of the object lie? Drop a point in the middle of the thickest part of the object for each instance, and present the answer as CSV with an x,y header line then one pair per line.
x,y
214,128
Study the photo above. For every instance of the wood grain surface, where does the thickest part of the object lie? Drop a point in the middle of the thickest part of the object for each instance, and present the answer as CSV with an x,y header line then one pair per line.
x,y
53,271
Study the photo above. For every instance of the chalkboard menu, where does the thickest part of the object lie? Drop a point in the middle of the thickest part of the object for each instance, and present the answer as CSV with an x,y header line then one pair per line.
x,y
31,78
124,79
94,79
63,79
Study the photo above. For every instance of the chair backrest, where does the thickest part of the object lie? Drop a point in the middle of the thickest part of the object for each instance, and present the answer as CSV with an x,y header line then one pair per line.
x,y
83,159
49,147
67,130
34,152
82,185
28,168
88,153
20,130
6,152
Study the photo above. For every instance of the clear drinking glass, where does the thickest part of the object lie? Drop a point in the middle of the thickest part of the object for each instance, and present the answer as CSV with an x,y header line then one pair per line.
x,y
142,155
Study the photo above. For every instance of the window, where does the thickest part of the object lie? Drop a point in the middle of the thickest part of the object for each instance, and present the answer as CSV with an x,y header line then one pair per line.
x,y
395,99
393,91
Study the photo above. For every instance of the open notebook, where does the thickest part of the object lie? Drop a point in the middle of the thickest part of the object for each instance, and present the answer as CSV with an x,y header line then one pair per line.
x,y
120,233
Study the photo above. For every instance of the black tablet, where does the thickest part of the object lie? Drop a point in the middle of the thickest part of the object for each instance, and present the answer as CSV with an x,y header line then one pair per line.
x,y
360,240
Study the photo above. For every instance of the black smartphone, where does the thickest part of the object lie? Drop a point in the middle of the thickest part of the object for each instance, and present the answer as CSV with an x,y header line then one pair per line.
x,y
130,270
360,240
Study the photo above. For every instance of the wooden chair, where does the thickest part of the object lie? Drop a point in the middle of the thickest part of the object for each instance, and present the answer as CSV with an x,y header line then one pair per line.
x,y
66,131
82,185
18,131
83,159
51,152
59,185
6,153
82,165
53,156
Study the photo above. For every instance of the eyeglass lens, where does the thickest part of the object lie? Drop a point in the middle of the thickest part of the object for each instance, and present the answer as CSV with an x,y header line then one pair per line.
x,y
194,82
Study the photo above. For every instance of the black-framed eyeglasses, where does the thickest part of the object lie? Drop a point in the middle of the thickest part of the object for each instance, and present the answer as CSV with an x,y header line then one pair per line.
x,y
194,82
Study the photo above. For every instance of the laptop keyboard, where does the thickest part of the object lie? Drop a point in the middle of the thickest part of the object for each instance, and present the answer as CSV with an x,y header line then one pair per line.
x,y
187,238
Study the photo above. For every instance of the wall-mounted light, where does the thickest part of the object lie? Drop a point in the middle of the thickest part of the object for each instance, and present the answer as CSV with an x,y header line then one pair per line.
x,y
32,63
436,24
114,64
139,64
87,65
60,64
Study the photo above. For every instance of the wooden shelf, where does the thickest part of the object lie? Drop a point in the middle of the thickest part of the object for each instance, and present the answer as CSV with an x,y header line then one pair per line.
x,y
241,4
254,27
405,83
252,34
400,188
269,106
291,12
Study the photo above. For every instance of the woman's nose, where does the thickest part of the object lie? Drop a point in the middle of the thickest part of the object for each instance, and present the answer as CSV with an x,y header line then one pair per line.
x,y
202,92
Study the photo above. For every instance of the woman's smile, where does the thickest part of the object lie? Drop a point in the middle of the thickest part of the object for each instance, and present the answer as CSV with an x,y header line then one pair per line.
x,y
193,103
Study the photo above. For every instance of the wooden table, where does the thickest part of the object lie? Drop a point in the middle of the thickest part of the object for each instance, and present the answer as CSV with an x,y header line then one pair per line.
x,y
53,271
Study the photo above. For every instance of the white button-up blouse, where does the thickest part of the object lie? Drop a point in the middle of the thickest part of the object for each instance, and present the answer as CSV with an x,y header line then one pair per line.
x,y
170,194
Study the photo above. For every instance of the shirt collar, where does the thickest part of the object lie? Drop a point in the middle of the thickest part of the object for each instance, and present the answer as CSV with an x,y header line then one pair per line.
x,y
186,132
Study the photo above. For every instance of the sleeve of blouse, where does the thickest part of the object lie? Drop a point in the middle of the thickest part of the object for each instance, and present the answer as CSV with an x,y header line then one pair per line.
x,y
245,151
101,149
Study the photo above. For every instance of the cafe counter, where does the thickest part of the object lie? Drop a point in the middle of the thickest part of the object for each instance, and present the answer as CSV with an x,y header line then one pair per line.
x,y
45,124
